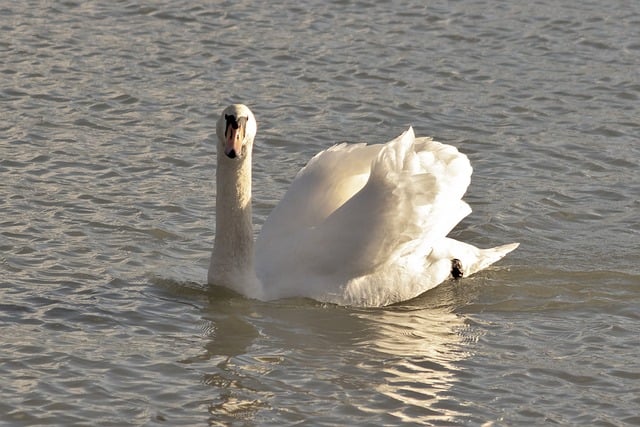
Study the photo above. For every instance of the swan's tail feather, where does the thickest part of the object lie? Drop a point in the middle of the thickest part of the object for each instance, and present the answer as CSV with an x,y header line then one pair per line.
x,y
487,257
492,255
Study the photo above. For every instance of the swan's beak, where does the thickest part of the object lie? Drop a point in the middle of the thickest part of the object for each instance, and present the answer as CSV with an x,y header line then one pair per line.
x,y
234,136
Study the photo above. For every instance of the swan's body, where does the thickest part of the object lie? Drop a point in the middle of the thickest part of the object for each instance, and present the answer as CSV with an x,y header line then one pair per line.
x,y
360,225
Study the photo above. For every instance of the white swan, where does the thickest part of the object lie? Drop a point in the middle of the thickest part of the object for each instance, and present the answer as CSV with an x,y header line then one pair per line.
x,y
361,224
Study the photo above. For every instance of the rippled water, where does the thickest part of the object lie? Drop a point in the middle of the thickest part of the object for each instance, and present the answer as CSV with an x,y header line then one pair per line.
x,y
107,211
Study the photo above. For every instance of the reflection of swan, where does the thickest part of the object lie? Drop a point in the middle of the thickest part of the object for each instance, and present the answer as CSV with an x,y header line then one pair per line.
x,y
360,225
293,359
414,355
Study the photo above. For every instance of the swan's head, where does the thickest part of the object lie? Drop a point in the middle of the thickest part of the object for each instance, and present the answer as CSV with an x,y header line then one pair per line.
x,y
236,129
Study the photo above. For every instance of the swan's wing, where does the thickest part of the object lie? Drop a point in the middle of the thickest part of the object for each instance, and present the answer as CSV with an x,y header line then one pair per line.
x,y
329,179
412,198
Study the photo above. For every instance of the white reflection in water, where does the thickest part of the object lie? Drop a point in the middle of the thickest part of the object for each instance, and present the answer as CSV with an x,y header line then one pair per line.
x,y
416,362
396,364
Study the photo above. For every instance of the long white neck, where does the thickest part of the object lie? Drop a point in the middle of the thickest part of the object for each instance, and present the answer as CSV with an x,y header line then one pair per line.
x,y
232,259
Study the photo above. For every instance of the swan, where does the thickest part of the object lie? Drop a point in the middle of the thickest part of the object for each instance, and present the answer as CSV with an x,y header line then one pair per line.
x,y
361,225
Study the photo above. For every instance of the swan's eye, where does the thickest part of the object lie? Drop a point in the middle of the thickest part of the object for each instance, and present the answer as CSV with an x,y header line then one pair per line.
x,y
231,121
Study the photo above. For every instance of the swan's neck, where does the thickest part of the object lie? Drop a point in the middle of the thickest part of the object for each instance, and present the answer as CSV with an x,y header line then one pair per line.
x,y
232,258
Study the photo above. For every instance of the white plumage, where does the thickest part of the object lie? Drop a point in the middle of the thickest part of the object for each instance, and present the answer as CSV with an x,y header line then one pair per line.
x,y
360,225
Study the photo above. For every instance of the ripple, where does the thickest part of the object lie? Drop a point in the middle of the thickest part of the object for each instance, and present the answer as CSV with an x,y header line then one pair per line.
x,y
106,214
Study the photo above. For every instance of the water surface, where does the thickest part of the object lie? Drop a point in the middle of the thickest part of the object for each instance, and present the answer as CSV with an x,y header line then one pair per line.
x,y
107,212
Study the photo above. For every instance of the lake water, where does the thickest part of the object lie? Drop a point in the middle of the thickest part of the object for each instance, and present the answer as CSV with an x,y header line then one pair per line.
x,y
107,211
